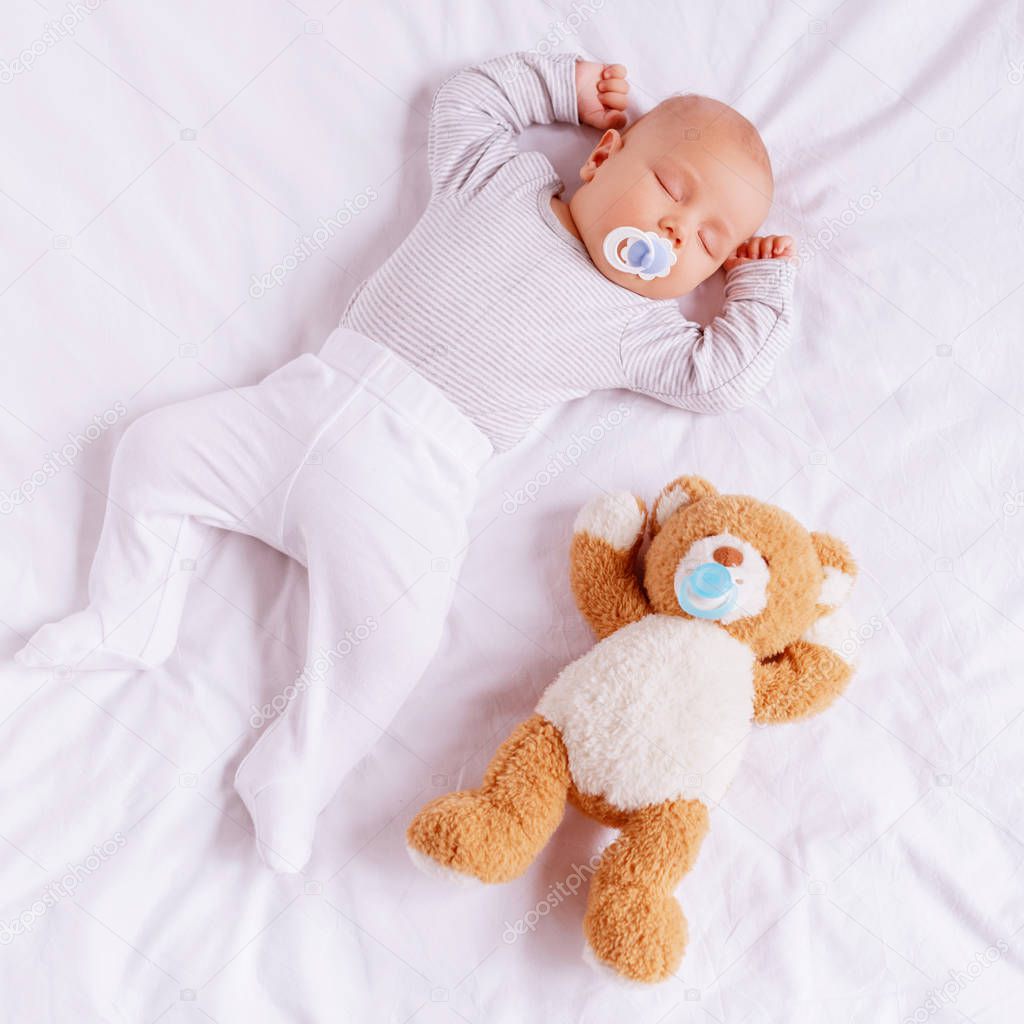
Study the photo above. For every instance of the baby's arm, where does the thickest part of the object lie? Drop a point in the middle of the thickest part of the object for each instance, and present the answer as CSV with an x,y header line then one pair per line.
x,y
719,367
479,112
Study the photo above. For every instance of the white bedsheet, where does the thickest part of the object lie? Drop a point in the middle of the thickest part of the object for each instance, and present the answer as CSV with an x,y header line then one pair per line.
x,y
155,157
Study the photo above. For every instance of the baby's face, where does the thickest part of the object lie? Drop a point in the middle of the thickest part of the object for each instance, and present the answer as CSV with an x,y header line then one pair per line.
x,y
690,175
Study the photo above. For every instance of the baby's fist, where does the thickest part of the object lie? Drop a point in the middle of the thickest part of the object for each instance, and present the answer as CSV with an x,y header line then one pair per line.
x,y
769,247
601,94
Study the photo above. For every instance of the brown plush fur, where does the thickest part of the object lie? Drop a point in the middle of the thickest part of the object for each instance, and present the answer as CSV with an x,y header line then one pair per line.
x,y
696,488
633,922
605,583
494,832
801,681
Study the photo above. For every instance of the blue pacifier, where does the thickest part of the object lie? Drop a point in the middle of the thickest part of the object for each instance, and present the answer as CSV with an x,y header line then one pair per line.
x,y
644,253
708,592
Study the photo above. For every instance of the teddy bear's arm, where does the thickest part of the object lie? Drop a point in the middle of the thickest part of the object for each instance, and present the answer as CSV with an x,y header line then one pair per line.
x,y
813,671
801,681
602,562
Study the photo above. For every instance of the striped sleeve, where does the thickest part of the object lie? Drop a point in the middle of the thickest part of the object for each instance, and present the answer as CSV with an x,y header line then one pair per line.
x,y
719,367
478,113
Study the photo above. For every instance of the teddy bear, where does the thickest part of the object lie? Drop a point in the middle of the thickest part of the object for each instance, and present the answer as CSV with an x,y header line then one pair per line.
x,y
738,615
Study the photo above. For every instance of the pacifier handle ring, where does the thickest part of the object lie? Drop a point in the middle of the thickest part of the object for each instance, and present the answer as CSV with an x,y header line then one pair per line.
x,y
657,251
613,242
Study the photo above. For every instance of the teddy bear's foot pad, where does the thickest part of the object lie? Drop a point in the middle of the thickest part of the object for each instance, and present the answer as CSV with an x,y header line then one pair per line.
x,y
637,932
610,974
434,869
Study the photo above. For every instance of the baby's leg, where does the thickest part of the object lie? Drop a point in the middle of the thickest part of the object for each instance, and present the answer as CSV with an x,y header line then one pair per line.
x,y
221,460
380,524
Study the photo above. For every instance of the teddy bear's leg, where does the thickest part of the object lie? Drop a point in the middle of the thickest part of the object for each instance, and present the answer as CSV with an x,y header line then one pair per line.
x,y
494,832
634,923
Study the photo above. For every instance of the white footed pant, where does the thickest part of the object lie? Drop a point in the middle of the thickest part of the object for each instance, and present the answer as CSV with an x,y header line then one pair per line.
x,y
351,463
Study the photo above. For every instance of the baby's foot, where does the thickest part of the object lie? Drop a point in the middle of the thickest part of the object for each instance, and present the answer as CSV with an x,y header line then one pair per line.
x,y
284,822
75,642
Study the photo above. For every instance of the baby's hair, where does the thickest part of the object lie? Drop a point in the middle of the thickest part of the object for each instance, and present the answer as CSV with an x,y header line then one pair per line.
x,y
684,106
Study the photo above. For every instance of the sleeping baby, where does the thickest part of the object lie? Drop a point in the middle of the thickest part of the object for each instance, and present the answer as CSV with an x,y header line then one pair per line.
x,y
360,462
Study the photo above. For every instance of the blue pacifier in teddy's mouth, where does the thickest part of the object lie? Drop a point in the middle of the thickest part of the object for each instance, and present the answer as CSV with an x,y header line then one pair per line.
x,y
644,253
708,592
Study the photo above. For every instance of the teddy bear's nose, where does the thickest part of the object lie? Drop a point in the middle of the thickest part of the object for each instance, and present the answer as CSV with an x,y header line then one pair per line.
x,y
728,557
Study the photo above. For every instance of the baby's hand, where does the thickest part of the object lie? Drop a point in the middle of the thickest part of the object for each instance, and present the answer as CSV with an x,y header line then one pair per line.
x,y
601,93
770,247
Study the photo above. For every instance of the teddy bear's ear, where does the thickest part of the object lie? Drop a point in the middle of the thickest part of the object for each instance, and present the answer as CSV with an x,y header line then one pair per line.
x,y
684,490
839,568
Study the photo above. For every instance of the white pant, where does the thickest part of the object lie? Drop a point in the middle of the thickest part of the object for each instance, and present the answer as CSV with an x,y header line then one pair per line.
x,y
352,464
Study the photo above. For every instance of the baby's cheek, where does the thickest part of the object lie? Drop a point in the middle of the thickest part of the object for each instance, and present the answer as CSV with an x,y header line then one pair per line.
x,y
686,274
626,202
629,213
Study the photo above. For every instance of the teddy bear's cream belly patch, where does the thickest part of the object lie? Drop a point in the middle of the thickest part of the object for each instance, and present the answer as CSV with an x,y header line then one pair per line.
x,y
657,711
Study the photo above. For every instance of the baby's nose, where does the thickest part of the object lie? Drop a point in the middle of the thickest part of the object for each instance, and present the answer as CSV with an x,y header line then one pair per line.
x,y
675,230
729,557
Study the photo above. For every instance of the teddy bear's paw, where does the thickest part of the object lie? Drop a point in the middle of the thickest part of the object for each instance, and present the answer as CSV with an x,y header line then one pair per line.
x,y
468,835
609,973
431,867
636,933
618,518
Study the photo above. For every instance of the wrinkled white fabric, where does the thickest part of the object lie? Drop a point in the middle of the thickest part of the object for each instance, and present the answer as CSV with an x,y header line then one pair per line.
x,y
857,860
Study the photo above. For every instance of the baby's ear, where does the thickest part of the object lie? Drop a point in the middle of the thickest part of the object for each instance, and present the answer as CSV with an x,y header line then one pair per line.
x,y
609,144
684,490
839,568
